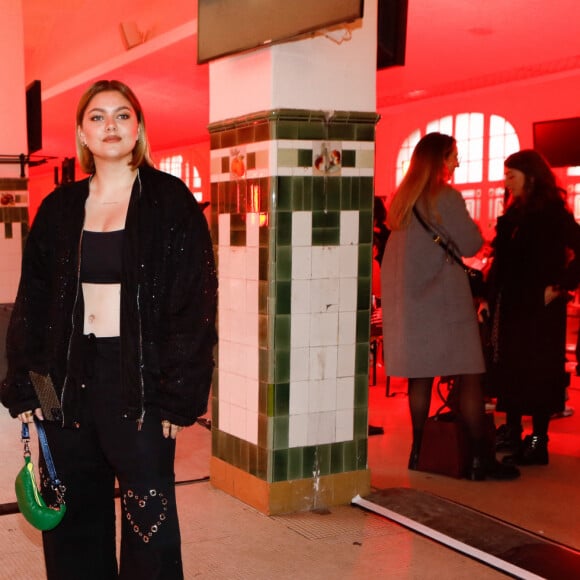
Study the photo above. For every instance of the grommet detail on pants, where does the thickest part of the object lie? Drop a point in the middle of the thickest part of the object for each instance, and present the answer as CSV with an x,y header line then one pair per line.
x,y
138,510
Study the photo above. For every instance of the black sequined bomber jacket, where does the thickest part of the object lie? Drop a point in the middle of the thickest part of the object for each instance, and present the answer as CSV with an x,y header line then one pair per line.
x,y
168,304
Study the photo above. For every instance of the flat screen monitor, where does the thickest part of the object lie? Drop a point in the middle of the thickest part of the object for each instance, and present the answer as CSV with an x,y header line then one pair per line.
x,y
34,116
226,27
558,141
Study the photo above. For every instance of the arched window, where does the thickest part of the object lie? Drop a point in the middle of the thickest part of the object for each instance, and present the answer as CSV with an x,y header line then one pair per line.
x,y
484,141
187,172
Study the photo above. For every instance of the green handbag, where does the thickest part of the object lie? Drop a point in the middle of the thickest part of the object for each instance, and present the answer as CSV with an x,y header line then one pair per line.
x,y
30,502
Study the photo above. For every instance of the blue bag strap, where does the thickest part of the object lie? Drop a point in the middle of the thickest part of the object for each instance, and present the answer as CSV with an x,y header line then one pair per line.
x,y
55,482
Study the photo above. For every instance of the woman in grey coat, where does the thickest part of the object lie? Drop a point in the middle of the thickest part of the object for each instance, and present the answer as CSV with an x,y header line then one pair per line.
x,y
429,320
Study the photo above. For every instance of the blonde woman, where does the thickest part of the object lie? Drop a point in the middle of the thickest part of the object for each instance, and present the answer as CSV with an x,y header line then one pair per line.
x,y
429,321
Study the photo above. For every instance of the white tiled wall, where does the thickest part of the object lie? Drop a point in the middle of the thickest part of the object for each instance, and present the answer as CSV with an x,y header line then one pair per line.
x,y
11,253
323,334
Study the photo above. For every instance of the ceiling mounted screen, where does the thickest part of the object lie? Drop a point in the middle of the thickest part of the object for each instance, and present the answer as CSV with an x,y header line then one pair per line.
x,y
558,141
231,26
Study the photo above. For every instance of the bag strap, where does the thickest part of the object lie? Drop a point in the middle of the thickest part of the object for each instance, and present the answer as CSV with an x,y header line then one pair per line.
x,y
55,482
437,239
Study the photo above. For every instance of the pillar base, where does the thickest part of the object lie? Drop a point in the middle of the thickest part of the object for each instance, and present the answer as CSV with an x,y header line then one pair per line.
x,y
289,496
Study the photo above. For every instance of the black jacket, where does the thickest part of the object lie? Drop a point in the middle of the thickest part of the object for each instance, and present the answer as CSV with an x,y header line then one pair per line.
x,y
168,303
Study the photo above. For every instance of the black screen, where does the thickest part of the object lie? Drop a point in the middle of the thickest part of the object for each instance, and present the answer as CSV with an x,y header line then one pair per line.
x,y
34,116
558,141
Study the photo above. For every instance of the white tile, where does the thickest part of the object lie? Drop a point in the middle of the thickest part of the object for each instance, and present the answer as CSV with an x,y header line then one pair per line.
x,y
252,427
344,426
321,428
252,263
302,228
346,360
345,393
299,364
325,261
252,230
323,362
347,327
301,263
252,296
224,229
348,228
324,329
301,296
300,330
322,396
299,397
298,430
348,294
348,267
224,414
238,422
325,296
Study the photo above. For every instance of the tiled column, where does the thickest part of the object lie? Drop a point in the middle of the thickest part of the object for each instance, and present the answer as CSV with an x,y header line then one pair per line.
x,y
292,197
13,187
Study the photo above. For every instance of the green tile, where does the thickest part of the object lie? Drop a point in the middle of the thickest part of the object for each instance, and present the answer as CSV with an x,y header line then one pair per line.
x,y
323,456
362,453
263,335
295,463
337,458
229,138
263,293
308,461
340,131
263,264
253,460
225,164
287,130
365,260
282,365
361,390
263,428
349,456
362,325
361,361
285,189
363,299
348,158
280,432
282,399
284,263
365,132
280,465
282,331
367,189
246,134
264,364
263,397
325,219
305,157
283,297
262,132
284,228
326,237
312,130
263,463
360,424
365,227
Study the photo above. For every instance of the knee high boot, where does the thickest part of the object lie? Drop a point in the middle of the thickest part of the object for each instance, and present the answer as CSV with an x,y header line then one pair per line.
x,y
415,449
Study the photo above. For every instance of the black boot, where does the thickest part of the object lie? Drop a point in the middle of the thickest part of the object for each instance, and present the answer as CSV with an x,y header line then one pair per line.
x,y
508,438
491,469
532,451
414,457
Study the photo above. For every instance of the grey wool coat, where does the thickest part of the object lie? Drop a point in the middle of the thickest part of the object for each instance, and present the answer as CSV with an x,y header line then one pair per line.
x,y
430,324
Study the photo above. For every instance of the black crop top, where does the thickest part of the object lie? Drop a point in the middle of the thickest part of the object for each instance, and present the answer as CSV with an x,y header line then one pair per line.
x,y
101,257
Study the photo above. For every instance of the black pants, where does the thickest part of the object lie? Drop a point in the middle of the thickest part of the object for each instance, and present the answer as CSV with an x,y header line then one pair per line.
x,y
88,459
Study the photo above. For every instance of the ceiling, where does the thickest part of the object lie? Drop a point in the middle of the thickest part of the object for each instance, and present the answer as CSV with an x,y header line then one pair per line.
x,y
452,46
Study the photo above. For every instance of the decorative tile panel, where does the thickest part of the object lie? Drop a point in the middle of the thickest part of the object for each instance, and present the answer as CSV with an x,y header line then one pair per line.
x,y
293,192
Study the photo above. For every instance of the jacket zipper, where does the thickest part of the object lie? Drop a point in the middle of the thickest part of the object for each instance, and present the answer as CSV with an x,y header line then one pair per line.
x,y
70,339
141,380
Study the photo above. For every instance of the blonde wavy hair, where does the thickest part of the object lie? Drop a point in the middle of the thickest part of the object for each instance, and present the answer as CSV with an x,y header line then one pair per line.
x,y
425,178
141,152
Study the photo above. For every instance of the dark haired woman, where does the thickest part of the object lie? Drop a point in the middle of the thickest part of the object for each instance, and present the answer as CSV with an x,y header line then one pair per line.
x,y
429,320
115,308
536,263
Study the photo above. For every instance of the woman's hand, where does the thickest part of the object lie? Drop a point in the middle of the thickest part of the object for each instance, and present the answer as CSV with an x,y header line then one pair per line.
x,y
170,430
553,292
28,416
483,312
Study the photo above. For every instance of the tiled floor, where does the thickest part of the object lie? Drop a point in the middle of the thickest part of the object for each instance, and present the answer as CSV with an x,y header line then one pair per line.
x,y
223,538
